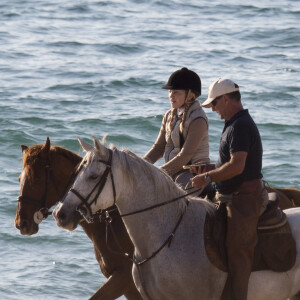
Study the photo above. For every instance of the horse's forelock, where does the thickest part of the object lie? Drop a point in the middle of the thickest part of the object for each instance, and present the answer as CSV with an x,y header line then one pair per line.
x,y
30,160
32,154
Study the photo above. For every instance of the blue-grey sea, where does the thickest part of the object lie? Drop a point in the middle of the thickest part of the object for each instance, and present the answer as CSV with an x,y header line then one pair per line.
x,y
93,67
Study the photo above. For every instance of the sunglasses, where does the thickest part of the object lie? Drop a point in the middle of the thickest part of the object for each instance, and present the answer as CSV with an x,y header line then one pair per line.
x,y
214,103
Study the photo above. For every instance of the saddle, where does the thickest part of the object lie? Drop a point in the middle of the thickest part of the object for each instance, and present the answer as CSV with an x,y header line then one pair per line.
x,y
276,247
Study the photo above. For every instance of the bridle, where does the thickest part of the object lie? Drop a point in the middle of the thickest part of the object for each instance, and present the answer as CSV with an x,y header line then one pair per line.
x,y
85,206
42,212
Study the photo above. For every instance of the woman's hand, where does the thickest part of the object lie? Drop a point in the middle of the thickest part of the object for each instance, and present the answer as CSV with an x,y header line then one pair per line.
x,y
198,181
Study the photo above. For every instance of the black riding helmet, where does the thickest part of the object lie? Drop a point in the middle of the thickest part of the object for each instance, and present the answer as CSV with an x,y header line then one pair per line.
x,y
184,79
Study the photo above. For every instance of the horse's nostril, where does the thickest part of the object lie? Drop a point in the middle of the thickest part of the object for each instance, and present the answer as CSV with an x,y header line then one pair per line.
x,y
24,224
61,216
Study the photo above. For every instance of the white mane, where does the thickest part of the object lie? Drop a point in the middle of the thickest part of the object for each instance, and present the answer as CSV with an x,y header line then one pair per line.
x,y
141,179
139,171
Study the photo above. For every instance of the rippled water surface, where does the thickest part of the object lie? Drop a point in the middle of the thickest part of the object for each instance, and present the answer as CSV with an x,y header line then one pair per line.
x,y
83,68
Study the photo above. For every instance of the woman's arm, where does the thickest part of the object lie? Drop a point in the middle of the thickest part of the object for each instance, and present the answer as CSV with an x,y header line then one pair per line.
x,y
196,132
158,148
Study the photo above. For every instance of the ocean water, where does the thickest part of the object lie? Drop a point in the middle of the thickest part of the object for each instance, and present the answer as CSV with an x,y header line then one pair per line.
x,y
83,68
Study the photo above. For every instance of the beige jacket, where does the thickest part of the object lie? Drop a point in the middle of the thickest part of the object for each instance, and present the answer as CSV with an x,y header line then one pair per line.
x,y
196,142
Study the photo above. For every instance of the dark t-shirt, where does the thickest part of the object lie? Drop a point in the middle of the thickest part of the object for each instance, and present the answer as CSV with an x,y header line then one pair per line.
x,y
240,134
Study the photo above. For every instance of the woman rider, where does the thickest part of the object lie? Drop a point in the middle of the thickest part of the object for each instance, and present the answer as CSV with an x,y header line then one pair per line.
x,y
183,136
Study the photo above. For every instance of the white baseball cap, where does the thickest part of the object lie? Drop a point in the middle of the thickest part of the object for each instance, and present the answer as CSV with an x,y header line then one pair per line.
x,y
218,88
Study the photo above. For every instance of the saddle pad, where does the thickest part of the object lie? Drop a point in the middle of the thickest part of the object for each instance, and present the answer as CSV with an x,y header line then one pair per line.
x,y
275,250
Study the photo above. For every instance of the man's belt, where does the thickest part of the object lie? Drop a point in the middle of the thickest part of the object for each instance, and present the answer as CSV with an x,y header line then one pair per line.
x,y
250,186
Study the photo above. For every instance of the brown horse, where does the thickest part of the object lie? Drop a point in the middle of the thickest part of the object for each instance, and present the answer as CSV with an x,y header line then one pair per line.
x,y
289,197
45,175
46,172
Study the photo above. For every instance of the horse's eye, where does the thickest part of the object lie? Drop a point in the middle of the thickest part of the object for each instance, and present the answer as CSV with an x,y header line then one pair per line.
x,y
93,177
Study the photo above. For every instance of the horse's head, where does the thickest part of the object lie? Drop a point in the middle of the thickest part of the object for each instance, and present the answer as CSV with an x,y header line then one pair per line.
x,y
32,186
93,188
40,185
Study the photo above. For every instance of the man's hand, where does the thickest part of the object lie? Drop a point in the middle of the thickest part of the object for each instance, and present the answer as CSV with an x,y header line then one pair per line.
x,y
230,169
199,181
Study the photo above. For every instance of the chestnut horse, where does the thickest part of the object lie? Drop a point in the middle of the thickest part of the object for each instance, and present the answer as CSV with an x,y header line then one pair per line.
x,y
45,174
289,197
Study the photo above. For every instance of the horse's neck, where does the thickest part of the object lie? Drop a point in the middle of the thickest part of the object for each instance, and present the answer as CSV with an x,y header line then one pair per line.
x,y
62,168
149,230
139,186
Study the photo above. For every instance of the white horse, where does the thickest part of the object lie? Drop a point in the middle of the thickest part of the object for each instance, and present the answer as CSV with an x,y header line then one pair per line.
x,y
170,235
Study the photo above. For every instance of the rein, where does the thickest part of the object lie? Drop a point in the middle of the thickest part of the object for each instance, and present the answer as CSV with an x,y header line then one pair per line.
x,y
168,241
159,204
106,212
85,206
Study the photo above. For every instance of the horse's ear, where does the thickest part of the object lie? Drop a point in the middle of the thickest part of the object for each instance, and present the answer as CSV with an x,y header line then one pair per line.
x,y
104,139
24,148
100,147
46,147
85,146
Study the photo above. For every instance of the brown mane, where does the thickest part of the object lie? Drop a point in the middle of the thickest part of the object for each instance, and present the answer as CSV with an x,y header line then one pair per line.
x,y
66,153
33,161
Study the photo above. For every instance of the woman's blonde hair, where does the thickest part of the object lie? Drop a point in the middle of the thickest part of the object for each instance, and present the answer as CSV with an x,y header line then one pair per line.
x,y
187,103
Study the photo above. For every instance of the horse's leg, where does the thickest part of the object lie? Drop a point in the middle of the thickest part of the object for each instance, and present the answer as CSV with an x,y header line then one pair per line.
x,y
114,287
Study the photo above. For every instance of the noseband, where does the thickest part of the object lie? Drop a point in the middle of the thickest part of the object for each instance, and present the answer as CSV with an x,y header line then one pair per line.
x,y
42,212
85,206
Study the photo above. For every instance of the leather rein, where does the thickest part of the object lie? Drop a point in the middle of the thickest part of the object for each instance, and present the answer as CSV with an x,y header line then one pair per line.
x,y
85,206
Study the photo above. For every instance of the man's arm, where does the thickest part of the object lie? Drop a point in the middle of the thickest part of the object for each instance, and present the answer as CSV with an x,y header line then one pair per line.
x,y
229,170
